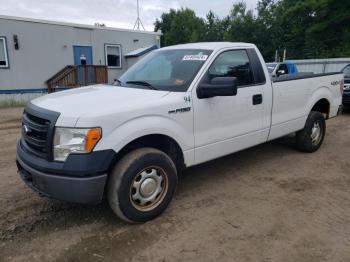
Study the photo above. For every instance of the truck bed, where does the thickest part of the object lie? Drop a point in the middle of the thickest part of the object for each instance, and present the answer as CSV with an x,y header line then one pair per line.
x,y
294,97
301,75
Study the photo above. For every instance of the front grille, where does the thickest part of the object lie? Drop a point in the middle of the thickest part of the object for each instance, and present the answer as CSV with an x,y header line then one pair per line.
x,y
346,100
35,134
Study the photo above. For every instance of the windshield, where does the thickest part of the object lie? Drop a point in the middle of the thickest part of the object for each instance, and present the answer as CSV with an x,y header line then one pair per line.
x,y
346,72
271,67
170,70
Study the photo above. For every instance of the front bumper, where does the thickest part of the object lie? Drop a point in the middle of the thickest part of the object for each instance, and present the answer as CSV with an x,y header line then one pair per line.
x,y
81,179
340,110
346,98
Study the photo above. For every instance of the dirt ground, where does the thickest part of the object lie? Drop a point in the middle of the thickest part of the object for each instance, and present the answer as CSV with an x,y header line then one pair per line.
x,y
268,203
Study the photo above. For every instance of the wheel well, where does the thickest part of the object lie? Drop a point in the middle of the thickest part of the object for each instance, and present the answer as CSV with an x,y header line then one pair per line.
x,y
322,106
161,142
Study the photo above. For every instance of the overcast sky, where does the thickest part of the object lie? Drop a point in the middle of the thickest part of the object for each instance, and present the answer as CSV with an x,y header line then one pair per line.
x,y
115,13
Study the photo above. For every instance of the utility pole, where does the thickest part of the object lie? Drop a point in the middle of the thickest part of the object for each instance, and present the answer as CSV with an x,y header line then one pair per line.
x,y
276,56
138,20
284,55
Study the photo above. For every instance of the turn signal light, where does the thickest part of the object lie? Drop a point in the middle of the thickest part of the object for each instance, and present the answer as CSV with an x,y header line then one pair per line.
x,y
92,137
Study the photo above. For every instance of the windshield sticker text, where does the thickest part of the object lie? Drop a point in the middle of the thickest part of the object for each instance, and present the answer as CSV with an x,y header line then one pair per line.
x,y
195,58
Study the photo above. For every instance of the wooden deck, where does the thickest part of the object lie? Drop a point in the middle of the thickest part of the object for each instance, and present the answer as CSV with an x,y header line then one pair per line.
x,y
73,76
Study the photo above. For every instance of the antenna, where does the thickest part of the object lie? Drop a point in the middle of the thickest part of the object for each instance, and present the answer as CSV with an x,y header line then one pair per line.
x,y
138,20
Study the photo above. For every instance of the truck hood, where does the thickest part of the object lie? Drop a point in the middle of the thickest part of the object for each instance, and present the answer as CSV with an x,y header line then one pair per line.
x,y
72,104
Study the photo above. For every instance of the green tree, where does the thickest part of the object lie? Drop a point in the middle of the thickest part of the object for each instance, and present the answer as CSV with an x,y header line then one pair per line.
x,y
214,28
180,26
244,26
305,28
268,31
313,28
329,33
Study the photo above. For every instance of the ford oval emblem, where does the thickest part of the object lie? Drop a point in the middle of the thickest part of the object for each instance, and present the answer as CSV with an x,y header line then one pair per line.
x,y
26,129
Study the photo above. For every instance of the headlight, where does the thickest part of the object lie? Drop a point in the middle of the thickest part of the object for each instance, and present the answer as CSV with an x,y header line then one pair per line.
x,y
74,140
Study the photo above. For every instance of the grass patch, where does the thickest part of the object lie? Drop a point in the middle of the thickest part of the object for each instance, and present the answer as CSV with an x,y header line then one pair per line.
x,y
12,103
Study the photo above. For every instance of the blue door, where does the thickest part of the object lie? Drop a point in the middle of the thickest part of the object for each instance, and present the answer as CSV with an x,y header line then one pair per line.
x,y
82,55
83,58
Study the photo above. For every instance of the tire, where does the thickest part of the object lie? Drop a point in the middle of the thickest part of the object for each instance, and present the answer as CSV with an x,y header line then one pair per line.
x,y
141,185
311,137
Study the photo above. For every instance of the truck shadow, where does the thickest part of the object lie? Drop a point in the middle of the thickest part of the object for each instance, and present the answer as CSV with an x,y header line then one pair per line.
x,y
56,215
241,160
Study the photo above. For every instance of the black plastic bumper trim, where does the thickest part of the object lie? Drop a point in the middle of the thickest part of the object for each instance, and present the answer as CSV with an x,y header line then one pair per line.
x,y
85,190
76,165
346,98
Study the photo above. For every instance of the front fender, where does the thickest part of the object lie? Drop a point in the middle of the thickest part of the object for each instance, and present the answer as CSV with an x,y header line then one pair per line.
x,y
148,125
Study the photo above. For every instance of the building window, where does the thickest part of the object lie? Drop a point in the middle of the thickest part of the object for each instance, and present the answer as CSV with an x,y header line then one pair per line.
x,y
113,56
4,62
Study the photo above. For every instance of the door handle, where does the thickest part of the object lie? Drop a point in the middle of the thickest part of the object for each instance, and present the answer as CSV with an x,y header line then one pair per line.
x,y
257,99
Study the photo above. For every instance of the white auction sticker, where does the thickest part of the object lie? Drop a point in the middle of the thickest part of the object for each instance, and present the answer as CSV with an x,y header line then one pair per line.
x,y
195,58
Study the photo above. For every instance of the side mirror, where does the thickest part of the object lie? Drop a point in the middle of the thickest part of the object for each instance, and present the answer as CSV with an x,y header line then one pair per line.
x,y
218,86
281,72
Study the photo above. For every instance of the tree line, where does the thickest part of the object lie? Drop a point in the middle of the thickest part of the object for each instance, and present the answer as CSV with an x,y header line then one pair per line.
x,y
305,28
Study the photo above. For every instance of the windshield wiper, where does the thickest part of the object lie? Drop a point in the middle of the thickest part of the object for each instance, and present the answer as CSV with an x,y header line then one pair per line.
x,y
117,82
142,83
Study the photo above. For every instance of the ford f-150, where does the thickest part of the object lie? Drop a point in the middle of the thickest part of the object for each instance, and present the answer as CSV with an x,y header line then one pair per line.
x,y
177,107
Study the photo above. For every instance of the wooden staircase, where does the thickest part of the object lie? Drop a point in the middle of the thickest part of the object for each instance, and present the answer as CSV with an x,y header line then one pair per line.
x,y
72,76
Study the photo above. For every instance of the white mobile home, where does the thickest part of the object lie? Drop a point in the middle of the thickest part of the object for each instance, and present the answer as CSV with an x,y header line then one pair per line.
x,y
33,51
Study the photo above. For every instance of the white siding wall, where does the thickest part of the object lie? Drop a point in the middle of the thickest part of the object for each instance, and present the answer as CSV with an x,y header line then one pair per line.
x,y
45,48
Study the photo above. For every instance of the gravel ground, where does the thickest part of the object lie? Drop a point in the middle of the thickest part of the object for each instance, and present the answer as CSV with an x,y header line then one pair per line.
x,y
268,203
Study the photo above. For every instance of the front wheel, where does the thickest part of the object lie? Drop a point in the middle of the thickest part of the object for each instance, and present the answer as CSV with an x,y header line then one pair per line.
x,y
311,137
142,185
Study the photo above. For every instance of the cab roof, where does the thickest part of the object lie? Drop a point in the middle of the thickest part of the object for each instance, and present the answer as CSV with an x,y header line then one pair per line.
x,y
211,45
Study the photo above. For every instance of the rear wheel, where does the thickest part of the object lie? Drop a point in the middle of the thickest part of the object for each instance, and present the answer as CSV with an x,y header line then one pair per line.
x,y
142,185
311,137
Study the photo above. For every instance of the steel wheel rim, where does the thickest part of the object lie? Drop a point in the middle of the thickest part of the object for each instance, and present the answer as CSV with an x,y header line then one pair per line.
x,y
316,133
148,188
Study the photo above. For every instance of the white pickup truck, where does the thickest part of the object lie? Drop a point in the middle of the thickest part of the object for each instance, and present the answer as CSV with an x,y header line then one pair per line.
x,y
178,107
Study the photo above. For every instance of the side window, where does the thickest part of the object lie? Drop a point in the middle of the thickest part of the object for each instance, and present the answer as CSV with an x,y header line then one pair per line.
x,y
4,63
283,67
233,63
113,56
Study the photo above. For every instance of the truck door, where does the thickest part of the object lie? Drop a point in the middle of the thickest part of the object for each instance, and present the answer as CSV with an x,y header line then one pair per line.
x,y
226,124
